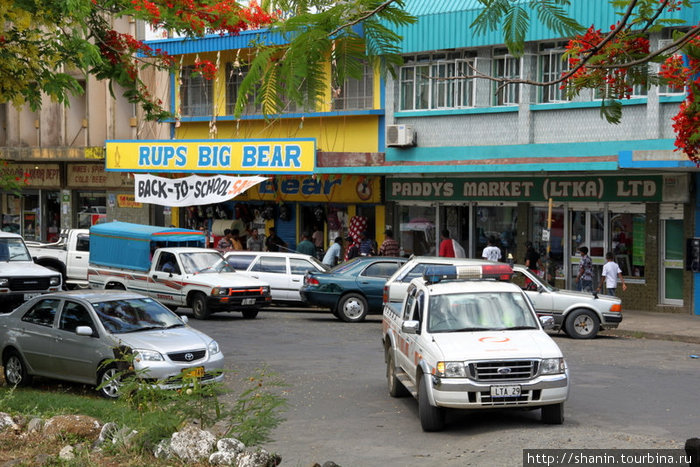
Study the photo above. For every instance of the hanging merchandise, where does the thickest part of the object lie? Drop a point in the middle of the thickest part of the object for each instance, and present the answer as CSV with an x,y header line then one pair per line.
x,y
333,221
285,212
318,213
268,212
358,224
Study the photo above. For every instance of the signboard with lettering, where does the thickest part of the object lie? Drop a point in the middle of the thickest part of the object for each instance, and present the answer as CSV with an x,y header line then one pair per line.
x,y
321,189
127,201
37,175
190,191
603,188
94,176
268,156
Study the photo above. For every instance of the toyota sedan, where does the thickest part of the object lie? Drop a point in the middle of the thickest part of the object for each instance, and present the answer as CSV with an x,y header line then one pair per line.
x,y
79,335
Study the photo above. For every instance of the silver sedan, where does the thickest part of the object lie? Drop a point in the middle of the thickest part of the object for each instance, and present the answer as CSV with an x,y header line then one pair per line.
x,y
81,336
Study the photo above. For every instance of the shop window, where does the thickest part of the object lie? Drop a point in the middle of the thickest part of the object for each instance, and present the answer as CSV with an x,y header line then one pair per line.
x,y
417,230
555,263
627,239
506,66
31,221
196,94
93,209
498,223
355,94
12,216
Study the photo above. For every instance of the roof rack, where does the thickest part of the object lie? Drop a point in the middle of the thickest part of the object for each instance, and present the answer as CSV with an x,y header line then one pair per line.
x,y
437,274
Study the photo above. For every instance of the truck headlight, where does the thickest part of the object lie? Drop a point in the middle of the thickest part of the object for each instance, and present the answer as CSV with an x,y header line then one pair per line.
x,y
266,290
54,281
4,282
552,366
451,370
214,348
219,291
148,355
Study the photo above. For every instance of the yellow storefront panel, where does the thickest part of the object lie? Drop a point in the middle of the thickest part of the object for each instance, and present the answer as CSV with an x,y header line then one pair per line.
x,y
268,156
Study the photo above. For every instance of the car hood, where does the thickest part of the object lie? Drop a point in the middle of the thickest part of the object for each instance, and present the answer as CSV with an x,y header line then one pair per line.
x,y
24,268
165,340
579,296
480,345
224,279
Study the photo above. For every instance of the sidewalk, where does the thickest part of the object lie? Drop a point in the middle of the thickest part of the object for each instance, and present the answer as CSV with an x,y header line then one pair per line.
x,y
681,327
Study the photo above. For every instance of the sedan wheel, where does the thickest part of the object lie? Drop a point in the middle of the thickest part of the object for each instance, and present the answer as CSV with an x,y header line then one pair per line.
x,y
15,371
352,308
108,382
582,324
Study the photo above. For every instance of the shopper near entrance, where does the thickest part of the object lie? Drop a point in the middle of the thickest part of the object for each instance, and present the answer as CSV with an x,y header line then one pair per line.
x,y
317,238
255,242
353,248
274,242
332,256
305,246
236,243
585,271
491,252
447,249
532,259
390,247
611,273
224,243
367,246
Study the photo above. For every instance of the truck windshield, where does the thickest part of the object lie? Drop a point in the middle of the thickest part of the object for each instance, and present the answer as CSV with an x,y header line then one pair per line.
x,y
13,249
203,262
134,314
479,311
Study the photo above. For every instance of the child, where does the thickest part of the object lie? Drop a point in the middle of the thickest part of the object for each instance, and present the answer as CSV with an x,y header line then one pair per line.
x,y
611,272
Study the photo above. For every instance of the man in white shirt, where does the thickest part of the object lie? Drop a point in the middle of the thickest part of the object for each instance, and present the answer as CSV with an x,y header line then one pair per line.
x,y
332,256
491,252
611,273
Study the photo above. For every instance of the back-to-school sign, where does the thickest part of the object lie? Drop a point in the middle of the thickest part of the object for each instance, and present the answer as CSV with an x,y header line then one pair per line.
x,y
190,191
273,156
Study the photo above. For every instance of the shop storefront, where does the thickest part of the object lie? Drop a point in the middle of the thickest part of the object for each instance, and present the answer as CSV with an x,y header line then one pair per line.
x,y
639,218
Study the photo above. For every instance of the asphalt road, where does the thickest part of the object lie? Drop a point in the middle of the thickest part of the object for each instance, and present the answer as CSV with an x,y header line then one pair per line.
x,y
626,393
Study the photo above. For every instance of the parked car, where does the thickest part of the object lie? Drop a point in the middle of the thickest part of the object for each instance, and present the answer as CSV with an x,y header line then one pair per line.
x,y
580,315
70,256
73,336
283,271
353,289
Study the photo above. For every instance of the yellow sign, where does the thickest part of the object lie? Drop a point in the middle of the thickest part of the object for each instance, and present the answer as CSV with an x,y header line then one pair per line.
x,y
323,189
271,156
127,201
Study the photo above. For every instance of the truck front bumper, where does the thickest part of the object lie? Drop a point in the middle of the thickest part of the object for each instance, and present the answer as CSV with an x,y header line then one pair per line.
x,y
227,302
464,393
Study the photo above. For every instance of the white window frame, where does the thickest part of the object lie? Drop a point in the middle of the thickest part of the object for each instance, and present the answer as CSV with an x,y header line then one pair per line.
x,y
356,94
510,94
196,94
450,92
553,59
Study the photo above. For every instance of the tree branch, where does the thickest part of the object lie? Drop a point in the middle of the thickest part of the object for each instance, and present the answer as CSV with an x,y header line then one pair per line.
x,y
368,14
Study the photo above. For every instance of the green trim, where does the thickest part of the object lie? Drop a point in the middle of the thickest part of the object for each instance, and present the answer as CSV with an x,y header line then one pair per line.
x,y
672,99
584,104
467,111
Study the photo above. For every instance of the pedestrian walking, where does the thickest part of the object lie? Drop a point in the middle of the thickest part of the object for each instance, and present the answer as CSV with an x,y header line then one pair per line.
x,y
274,242
332,256
390,247
585,271
447,249
255,241
306,246
611,273
491,252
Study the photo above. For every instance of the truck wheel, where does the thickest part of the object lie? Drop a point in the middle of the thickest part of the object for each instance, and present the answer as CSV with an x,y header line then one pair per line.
x,y
582,324
396,387
199,306
431,418
115,286
15,370
250,314
108,382
352,308
553,414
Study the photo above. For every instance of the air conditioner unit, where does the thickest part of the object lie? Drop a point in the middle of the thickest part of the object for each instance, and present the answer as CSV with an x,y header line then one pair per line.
x,y
400,135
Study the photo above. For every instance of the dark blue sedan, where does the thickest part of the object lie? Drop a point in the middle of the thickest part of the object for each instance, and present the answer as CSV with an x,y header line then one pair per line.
x,y
352,289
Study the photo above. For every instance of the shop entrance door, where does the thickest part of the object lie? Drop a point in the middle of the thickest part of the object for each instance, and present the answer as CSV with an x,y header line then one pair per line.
x,y
671,273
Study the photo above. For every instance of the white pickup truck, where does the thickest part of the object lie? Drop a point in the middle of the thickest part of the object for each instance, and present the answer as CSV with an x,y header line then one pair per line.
x,y
70,256
463,340
20,278
170,265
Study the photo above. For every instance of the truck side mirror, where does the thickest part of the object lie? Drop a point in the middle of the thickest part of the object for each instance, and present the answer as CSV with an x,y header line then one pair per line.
x,y
410,327
547,321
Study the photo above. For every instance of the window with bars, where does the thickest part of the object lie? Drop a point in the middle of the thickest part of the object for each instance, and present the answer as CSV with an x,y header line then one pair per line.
x,y
355,94
506,66
438,82
234,77
552,65
196,94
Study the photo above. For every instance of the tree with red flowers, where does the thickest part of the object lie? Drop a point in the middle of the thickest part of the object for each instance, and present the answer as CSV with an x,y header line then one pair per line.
x,y
613,62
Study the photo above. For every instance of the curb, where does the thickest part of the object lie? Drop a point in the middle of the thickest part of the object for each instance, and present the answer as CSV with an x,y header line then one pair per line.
x,y
652,335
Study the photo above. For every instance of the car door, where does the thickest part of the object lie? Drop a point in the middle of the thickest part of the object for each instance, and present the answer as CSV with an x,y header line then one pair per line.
x,y
273,270
538,294
164,281
79,258
298,267
37,335
372,279
77,357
